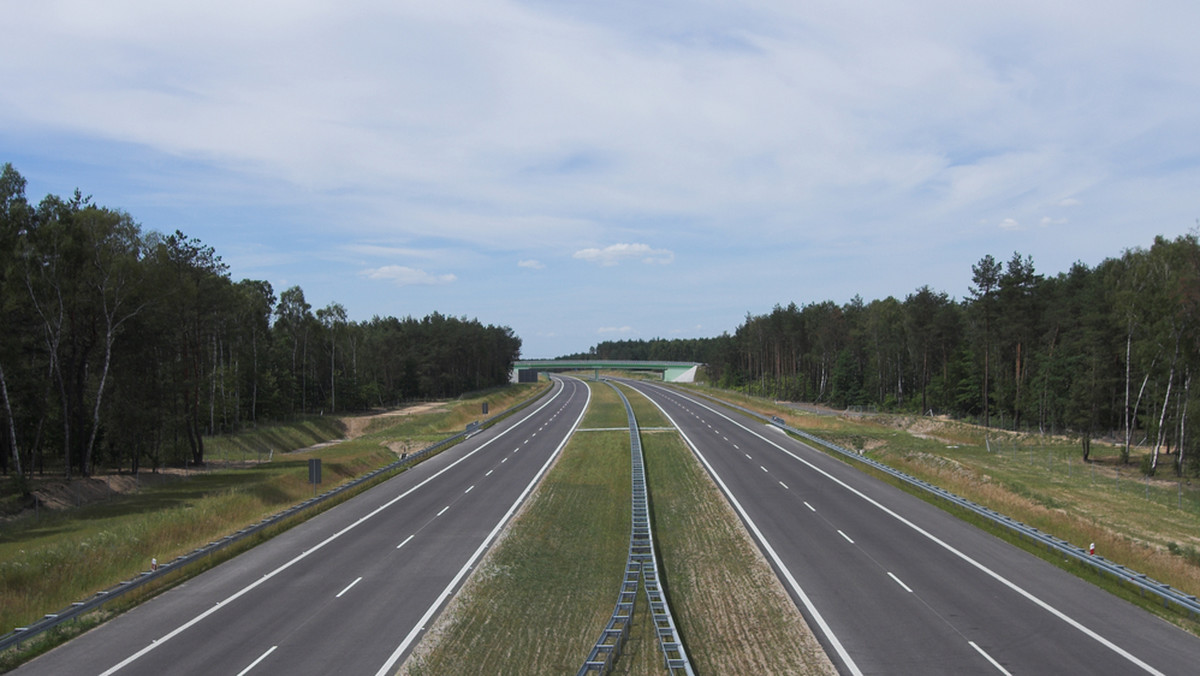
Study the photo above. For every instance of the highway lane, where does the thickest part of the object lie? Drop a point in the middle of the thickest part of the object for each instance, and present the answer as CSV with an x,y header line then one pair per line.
x,y
894,585
350,590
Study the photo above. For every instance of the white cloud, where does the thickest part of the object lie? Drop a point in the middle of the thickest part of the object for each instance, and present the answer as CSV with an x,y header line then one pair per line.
x,y
1047,221
615,253
615,329
405,276
1010,224
532,264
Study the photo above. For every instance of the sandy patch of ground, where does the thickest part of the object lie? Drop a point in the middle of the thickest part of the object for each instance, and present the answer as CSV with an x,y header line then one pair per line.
x,y
61,494
357,425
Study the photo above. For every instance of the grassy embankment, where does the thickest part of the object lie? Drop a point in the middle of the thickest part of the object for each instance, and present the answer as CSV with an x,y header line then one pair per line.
x,y
1150,525
546,590
50,559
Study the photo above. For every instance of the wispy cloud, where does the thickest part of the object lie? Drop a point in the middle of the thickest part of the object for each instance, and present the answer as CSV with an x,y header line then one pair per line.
x,y
615,329
405,276
315,145
616,253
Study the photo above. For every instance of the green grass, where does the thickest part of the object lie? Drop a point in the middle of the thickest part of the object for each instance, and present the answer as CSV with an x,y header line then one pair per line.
x,y
731,610
51,559
260,442
540,599
1041,481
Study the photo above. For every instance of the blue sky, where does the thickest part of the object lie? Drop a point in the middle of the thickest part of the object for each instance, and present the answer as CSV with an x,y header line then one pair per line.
x,y
586,171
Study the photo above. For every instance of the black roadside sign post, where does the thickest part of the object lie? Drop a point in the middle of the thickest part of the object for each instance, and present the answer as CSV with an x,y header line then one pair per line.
x,y
314,473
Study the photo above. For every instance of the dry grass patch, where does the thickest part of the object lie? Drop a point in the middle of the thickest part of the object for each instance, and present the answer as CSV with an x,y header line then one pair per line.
x,y
545,590
732,611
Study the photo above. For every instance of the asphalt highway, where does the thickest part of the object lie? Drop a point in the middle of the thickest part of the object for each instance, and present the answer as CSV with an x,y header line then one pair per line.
x,y
894,585
351,590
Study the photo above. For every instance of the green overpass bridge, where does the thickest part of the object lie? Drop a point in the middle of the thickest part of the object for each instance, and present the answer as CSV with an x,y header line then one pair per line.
x,y
673,371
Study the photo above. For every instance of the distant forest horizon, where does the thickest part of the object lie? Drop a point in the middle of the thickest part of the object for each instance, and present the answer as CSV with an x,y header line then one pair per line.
x,y
1105,351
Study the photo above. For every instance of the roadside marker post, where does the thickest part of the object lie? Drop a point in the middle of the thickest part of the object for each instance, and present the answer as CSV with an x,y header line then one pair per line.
x,y
314,473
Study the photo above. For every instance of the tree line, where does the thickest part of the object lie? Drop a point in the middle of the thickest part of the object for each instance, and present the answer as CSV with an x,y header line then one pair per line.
x,y
1096,351
122,347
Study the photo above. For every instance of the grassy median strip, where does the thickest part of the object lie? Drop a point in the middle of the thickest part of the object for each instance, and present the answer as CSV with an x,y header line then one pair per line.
x,y
538,601
541,597
731,609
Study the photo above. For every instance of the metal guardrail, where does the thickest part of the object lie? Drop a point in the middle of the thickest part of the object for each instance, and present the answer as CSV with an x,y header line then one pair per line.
x,y
80,608
641,561
1145,585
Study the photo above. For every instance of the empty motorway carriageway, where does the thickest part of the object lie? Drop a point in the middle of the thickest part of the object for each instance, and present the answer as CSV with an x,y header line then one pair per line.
x,y
889,583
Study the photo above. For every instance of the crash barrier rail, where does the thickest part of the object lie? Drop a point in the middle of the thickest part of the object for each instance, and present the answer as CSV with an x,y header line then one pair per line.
x,y
80,608
1143,584
640,562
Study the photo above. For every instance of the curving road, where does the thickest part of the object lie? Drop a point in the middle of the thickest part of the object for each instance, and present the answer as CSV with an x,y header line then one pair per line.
x,y
350,590
894,585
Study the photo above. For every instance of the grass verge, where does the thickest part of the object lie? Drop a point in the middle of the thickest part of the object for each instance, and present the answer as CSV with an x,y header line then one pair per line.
x,y
731,609
53,558
1145,524
542,595
539,599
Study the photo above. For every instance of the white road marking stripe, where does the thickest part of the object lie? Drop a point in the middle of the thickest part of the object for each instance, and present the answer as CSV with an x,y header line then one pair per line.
x,y
386,669
1133,659
347,588
253,664
906,588
763,468
989,659
748,456
846,536
468,490
783,484
248,588
406,540
443,510
489,472
787,574
810,506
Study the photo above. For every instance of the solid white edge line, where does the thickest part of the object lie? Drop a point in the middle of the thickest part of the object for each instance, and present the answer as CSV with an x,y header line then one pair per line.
x,y
950,548
348,588
906,587
253,664
416,630
989,659
192,622
788,577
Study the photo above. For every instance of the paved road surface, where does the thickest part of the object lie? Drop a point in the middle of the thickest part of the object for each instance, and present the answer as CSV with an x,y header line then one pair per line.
x,y
349,591
896,586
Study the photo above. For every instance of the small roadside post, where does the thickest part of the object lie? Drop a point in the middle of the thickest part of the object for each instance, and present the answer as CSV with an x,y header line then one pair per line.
x,y
314,473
